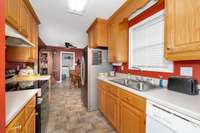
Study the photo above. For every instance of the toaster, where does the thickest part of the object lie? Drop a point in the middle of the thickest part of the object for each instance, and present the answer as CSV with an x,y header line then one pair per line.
x,y
186,85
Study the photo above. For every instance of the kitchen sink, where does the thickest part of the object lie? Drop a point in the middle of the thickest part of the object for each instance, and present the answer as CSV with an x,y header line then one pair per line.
x,y
135,84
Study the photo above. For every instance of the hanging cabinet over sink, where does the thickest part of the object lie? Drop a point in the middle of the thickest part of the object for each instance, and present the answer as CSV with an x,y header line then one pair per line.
x,y
182,30
21,17
118,30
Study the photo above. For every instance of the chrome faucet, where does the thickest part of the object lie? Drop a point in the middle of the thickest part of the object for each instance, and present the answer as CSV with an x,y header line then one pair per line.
x,y
141,72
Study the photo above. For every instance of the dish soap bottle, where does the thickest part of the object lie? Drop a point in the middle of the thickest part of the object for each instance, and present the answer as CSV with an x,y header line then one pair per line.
x,y
161,82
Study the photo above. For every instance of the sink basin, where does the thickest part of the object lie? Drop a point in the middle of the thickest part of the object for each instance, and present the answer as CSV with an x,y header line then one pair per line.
x,y
135,84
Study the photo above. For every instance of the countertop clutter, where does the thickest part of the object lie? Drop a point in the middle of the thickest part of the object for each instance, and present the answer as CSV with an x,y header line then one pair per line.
x,y
182,103
15,101
28,78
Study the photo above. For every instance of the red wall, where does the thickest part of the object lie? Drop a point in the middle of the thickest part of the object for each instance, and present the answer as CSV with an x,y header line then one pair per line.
x,y
194,64
2,68
56,67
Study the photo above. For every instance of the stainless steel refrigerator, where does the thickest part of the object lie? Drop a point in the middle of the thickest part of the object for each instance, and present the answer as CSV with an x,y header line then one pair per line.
x,y
93,62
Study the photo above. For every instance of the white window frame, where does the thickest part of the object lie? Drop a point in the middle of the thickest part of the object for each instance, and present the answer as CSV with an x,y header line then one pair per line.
x,y
168,66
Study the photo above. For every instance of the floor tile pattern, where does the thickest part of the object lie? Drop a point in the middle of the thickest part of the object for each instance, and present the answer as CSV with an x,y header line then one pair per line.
x,y
68,115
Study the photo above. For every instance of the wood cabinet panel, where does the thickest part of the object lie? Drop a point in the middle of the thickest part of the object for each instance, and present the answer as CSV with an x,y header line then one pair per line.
x,y
24,19
12,13
24,122
101,100
118,41
126,111
134,100
182,30
131,119
17,124
30,126
111,108
97,34
18,54
29,108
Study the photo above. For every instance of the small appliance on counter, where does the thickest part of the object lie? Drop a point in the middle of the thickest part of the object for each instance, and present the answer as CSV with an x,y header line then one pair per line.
x,y
112,73
10,73
186,85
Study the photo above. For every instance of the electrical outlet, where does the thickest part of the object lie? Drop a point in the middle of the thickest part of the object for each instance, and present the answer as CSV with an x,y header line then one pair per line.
x,y
186,71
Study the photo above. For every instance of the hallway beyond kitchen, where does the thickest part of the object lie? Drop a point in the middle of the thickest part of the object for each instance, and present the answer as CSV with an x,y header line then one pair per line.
x,y
68,114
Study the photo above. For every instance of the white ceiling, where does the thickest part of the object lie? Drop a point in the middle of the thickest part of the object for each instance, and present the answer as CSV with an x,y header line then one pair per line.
x,y
58,26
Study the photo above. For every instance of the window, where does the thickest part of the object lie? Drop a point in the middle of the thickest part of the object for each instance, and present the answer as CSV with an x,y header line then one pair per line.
x,y
146,45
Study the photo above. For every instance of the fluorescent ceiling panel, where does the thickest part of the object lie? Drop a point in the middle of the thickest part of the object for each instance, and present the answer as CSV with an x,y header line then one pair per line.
x,y
77,6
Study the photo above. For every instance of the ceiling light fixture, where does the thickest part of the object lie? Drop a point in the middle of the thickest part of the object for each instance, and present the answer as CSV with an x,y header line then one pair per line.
x,y
77,6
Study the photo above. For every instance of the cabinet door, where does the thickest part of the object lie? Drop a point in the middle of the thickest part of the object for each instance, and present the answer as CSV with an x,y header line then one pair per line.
x,y
111,42
121,49
182,29
34,39
118,42
131,119
111,106
91,38
12,13
30,124
101,100
24,19
18,54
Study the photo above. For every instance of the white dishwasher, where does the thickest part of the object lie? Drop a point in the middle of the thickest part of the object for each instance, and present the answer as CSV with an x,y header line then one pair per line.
x,y
163,120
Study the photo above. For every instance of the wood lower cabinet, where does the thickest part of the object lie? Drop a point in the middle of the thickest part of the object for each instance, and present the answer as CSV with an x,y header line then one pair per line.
x,y
125,111
111,108
30,126
182,30
101,100
131,119
24,122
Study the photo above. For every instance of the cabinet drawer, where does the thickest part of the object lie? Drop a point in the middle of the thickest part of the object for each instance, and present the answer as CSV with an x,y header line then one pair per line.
x,y
17,124
112,89
101,84
134,100
30,107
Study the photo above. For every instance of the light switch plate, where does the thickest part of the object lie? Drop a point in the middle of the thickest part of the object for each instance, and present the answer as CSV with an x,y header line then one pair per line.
x,y
186,71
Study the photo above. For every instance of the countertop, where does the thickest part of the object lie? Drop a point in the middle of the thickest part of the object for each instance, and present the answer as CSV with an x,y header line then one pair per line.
x,y
182,103
28,78
15,101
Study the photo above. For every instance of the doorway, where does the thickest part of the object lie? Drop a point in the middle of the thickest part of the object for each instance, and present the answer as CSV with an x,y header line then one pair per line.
x,y
67,63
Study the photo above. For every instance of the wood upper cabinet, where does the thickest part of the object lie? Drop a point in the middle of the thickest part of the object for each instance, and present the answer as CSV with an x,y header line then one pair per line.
x,y
118,41
24,19
12,13
27,26
132,120
18,54
182,30
97,34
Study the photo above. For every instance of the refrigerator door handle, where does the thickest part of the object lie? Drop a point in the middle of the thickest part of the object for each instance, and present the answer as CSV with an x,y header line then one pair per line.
x,y
82,71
